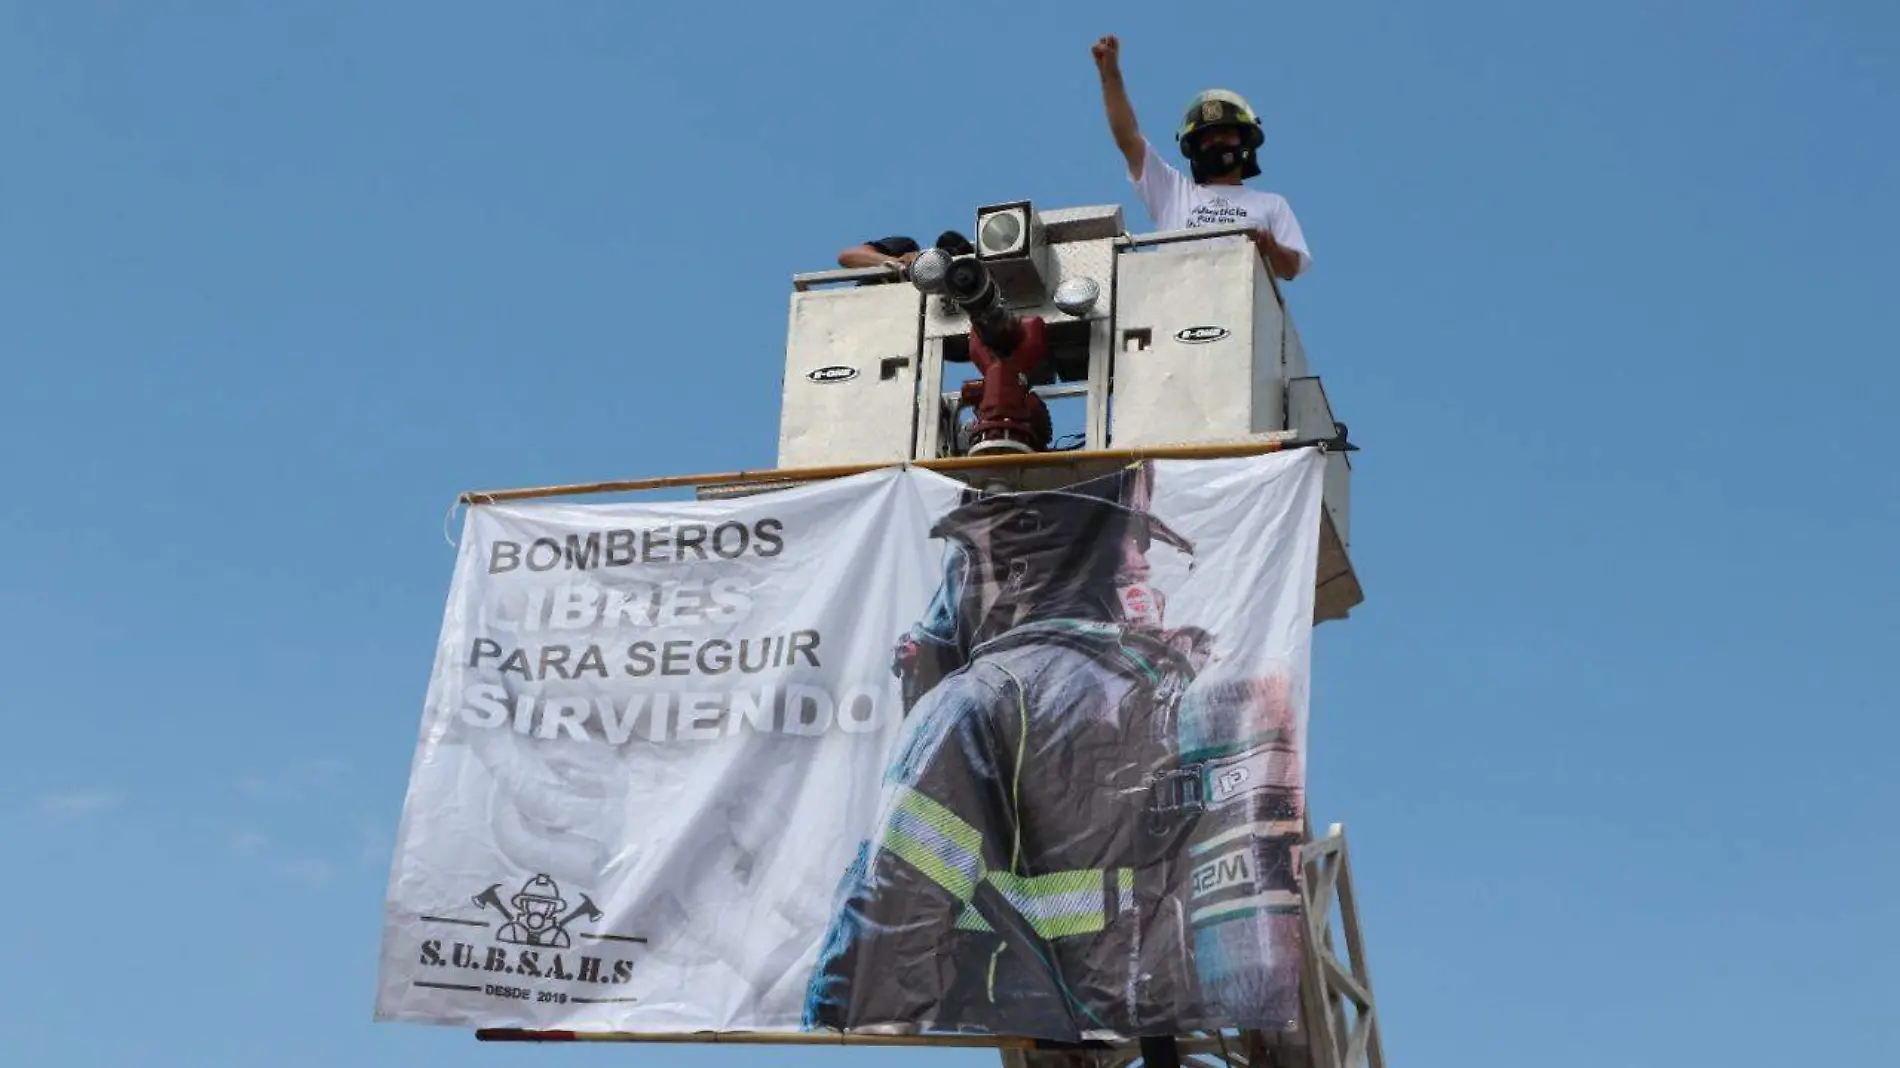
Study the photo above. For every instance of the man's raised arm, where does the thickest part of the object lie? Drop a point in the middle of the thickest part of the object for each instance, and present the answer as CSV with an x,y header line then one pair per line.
x,y
1121,114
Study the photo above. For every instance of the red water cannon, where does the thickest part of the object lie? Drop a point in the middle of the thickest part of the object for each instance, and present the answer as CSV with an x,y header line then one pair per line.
x,y
1005,347
1010,417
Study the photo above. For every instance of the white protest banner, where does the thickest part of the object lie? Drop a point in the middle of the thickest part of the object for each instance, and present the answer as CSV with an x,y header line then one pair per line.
x,y
876,751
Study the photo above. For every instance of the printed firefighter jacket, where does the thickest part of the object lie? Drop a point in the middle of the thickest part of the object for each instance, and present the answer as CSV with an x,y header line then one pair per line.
x,y
1017,880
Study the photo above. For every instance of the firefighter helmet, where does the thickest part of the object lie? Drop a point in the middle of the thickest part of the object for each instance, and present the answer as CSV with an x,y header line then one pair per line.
x,y
1214,108
1043,553
539,888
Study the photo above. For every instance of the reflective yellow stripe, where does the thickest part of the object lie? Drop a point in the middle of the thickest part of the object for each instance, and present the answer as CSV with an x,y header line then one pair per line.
x,y
930,838
1057,905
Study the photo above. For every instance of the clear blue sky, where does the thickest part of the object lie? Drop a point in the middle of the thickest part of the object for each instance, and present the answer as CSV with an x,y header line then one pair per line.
x,y
1606,292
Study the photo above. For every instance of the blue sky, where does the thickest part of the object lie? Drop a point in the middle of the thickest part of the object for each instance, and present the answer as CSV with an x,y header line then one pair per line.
x,y
1604,291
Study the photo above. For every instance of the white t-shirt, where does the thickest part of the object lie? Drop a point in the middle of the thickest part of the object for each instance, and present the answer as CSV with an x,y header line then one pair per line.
x,y
1174,202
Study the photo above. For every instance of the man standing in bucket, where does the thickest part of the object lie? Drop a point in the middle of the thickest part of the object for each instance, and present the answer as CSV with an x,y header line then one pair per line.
x,y
1221,136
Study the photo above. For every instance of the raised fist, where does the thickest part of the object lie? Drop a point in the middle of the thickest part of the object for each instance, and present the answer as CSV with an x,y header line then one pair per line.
x,y
1107,53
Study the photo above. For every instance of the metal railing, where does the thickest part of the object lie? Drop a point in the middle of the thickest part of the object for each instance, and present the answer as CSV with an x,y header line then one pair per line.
x,y
807,280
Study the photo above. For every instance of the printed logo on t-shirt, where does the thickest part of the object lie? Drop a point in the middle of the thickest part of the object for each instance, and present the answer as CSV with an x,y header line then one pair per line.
x,y
1217,212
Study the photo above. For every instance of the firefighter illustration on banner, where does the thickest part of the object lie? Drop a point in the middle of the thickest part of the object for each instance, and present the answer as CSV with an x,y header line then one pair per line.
x,y
1089,824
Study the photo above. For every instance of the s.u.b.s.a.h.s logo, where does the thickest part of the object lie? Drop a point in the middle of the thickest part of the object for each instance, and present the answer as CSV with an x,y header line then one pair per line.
x,y
530,942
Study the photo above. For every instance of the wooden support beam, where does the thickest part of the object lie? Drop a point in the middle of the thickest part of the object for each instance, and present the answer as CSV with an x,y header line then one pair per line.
x,y
754,1038
990,462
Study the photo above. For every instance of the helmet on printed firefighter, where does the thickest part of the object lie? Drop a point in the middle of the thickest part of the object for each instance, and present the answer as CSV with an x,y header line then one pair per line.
x,y
539,888
1017,556
1036,553
1215,109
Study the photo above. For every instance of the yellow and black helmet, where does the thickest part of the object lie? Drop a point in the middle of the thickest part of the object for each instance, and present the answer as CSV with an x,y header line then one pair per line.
x,y
1215,108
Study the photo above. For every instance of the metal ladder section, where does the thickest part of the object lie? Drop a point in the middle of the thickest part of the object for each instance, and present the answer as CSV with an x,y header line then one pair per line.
x,y
1339,1026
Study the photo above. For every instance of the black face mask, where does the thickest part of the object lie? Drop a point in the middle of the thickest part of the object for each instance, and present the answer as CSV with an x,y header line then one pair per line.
x,y
1212,161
